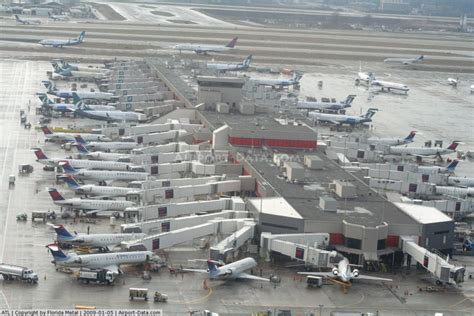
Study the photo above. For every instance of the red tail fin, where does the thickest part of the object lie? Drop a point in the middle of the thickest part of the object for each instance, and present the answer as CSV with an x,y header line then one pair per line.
x,y
232,43
46,130
55,195
39,154
453,145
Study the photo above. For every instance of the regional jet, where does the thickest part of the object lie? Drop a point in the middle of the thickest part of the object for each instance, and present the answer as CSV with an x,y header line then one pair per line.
x,y
332,106
101,241
449,169
280,82
392,141
231,67
103,175
204,49
344,273
453,82
66,94
99,155
112,116
389,86
234,270
343,119
404,61
62,42
58,17
424,151
25,21
99,191
89,206
110,146
109,261
72,107
69,137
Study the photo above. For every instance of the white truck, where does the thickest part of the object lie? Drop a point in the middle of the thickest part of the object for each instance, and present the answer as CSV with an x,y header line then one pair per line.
x,y
101,276
13,272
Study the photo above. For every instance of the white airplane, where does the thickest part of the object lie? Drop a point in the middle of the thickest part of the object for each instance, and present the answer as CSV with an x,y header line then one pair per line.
x,y
326,106
99,155
424,151
344,273
66,94
102,241
107,146
62,42
204,49
343,119
67,66
96,190
461,182
234,270
57,17
81,163
231,67
405,61
389,86
25,21
453,82
109,261
60,73
112,116
103,175
89,206
363,77
392,141
437,169
280,82
69,137
72,107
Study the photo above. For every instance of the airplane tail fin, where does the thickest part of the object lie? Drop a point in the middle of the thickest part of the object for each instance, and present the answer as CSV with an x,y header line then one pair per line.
x,y
421,58
247,61
56,67
452,165
297,77
370,112
17,18
349,99
81,36
232,43
46,130
55,195
61,231
211,266
68,169
75,98
453,145
43,98
40,155
49,85
410,137
57,252
71,182
80,140
81,148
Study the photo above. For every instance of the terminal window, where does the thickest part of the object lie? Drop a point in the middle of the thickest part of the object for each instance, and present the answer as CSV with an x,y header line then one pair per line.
x,y
353,243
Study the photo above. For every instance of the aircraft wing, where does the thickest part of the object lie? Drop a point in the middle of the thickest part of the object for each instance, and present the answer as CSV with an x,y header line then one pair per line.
x,y
252,277
371,278
195,270
323,274
113,268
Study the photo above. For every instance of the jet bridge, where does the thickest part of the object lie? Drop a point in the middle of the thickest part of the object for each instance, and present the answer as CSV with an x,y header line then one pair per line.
x,y
301,247
436,263
179,236
228,246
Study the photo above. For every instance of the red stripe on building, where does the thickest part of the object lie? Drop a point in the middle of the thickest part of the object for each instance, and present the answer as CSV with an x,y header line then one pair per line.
x,y
336,239
393,241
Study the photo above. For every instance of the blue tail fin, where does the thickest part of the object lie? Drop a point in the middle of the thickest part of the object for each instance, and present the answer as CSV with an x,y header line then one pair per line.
x,y
410,137
71,182
67,167
62,232
81,36
81,148
452,165
80,140
57,252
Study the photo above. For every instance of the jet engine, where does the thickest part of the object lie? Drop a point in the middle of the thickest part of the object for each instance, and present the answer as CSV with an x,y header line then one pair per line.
x,y
335,271
355,273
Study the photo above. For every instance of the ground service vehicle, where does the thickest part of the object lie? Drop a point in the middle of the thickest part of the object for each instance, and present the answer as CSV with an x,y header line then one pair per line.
x,y
13,272
314,281
160,297
101,276
134,292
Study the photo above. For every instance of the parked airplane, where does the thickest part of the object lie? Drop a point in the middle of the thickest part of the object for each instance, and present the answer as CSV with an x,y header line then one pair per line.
x,y
389,86
453,82
103,175
57,17
112,116
109,261
343,119
95,190
424,151
99,155
204,49
344,273
72,107
234,270
102,241
437,169
393,141
405,61
231,67
461,182
67,66
81,163
25,21
69,137
326,106
62,42
364,77
66,94
89,206
66,73
279,82
109,146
